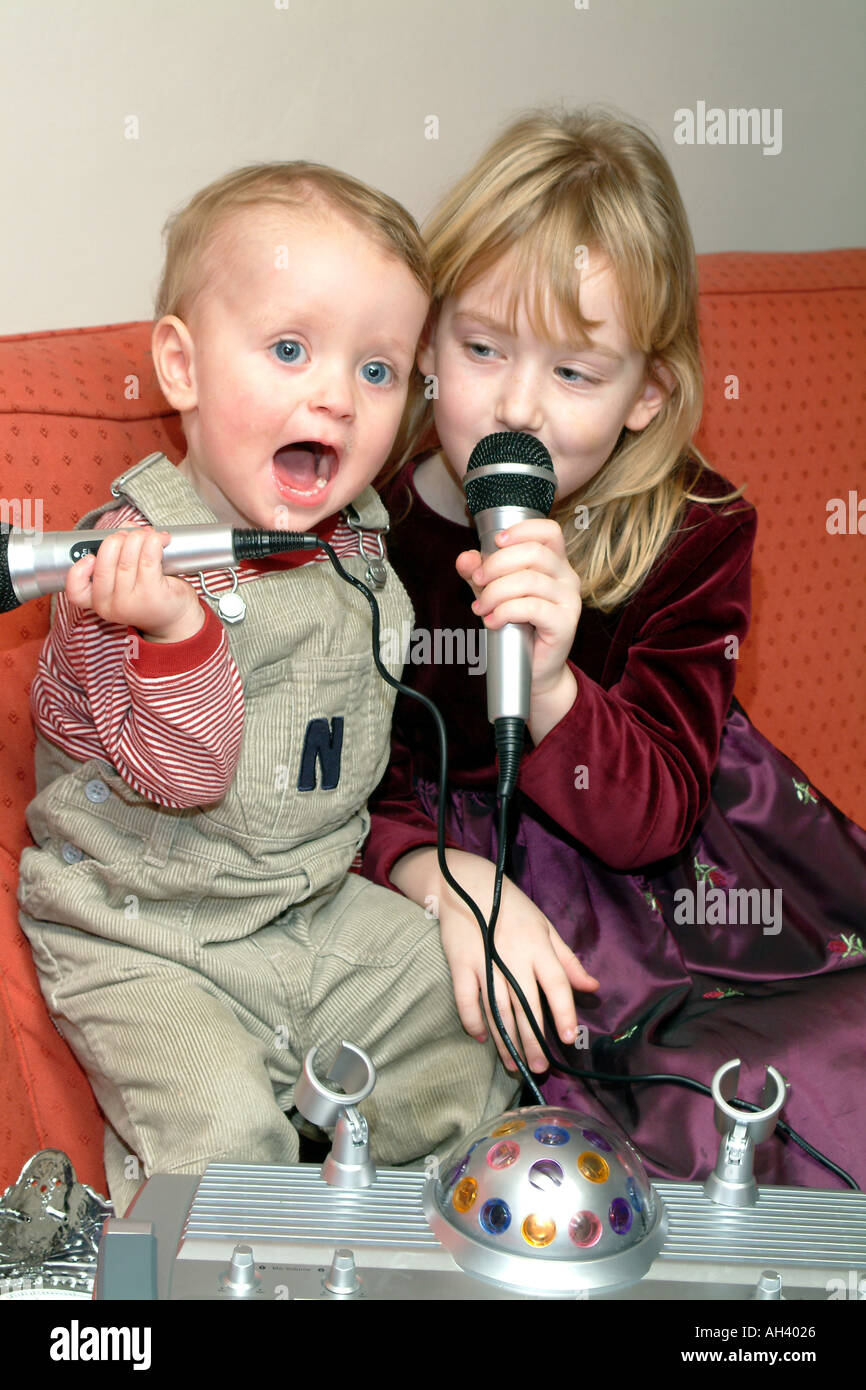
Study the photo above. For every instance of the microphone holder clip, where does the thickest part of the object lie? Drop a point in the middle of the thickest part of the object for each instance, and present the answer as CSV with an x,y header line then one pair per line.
x,y
348,1164
732,1183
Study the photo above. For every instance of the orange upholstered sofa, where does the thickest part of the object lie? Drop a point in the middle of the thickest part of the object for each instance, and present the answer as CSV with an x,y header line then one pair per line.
x,y
783,344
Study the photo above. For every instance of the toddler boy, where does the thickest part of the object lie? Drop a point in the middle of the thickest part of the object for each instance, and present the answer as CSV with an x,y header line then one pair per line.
x,y
206,746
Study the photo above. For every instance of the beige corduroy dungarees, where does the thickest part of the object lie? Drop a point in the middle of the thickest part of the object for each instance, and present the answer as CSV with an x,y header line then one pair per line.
x,y
191,957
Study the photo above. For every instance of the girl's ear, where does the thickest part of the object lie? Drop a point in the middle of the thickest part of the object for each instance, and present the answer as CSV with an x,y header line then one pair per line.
x,y
173,360
658,384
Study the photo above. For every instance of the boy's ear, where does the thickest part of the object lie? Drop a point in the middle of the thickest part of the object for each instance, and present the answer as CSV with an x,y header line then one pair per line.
x,y
658,385
424,355
173,359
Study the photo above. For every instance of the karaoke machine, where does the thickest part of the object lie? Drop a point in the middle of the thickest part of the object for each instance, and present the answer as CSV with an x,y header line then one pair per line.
x,y
540,1202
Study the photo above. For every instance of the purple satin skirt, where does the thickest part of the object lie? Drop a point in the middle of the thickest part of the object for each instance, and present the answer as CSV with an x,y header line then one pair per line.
x,y
694,973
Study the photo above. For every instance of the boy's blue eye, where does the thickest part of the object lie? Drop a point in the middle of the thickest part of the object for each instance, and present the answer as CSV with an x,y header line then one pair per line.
x,y
479,348
378,373
289,350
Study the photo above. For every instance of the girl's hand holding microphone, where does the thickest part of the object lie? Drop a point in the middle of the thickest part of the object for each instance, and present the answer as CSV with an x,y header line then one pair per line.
x,y
124,583
529,580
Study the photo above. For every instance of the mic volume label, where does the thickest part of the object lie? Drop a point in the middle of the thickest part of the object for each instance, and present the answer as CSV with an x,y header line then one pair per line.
x,y
82,548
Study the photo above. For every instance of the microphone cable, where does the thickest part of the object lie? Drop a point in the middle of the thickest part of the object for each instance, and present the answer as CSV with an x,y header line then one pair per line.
x,y
440,820
487,929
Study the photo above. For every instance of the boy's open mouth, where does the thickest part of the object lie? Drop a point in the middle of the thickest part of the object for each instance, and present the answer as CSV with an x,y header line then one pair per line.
x,y
304,470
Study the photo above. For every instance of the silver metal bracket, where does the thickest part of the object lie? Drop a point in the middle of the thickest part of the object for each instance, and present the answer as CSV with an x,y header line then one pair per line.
x,y
349,1163
119,483
376,573
732,1183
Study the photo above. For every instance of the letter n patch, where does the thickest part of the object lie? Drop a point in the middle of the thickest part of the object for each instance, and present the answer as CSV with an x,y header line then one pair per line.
x,y
323,743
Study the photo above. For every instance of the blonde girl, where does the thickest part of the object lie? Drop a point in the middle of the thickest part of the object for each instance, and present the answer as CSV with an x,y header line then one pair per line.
x,y
659,842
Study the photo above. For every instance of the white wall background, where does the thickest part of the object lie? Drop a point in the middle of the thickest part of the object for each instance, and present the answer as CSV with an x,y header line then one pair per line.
x,y
215,84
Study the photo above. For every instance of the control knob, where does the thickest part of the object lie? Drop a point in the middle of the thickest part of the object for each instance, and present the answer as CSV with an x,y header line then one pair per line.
x,y
240,1279
342,1279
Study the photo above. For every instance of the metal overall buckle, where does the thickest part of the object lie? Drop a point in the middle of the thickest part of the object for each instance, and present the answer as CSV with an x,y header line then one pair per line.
x,y
119,483
376,573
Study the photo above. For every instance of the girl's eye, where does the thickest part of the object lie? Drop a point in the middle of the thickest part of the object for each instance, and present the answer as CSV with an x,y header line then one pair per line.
x,y
573,375
480,349
378,373
289,350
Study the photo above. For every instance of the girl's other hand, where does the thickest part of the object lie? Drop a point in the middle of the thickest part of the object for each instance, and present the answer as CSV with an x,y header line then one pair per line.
x,y
526,940
532,950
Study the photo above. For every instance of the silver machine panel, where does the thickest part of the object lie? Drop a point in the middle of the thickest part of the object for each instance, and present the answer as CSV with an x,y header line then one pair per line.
x,y
295,1223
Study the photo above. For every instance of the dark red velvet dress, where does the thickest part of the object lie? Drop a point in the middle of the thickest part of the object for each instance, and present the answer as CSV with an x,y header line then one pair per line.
x,y
636,819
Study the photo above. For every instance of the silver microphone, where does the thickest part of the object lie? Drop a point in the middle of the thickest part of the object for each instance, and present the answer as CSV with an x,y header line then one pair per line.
x,y
32,565
509,478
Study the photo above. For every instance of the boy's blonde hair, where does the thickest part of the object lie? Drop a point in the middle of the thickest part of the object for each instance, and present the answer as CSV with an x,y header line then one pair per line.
x,y
192,233
556,189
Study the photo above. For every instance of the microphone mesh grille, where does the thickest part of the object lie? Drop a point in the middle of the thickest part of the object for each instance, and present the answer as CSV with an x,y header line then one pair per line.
x,y
8,600
509,489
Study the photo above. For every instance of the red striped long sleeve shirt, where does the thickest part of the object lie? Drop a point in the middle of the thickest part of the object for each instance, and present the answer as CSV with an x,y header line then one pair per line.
x,y
168,716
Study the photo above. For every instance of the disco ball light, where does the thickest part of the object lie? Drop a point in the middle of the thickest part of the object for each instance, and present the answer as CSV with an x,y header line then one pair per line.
x,y
548,1202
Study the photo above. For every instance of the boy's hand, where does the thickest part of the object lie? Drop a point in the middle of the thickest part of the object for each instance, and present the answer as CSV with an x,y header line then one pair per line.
x,y
529,580
124,583
529,945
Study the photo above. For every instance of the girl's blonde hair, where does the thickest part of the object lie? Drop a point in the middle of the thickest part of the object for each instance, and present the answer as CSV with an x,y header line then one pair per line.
x,y
556,189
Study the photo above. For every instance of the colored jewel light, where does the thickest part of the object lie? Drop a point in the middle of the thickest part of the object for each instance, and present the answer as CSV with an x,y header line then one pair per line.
x,y
504,1154
597,1141
585,1229
546,1175
593,1166
465,1194
620,1216
510,1128
552,1135
495,1217
539,1230
457,1172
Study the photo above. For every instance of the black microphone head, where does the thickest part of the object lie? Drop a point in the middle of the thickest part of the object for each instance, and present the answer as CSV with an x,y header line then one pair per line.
x,y
8,597
526,485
